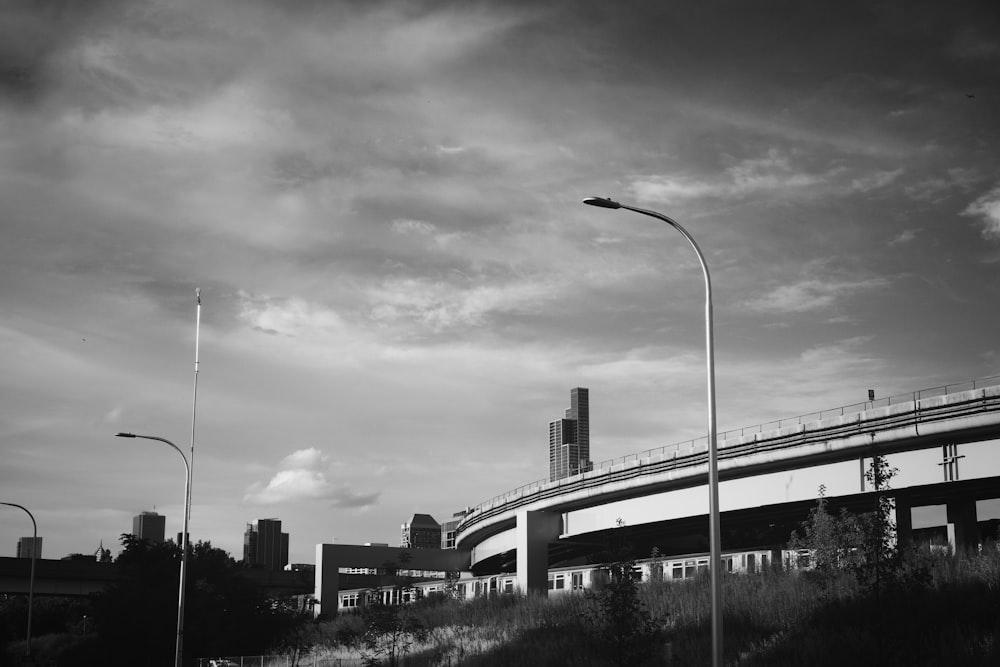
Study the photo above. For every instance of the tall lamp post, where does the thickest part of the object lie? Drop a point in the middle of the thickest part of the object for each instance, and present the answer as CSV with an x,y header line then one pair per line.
x,y
715,532
31,577
179,649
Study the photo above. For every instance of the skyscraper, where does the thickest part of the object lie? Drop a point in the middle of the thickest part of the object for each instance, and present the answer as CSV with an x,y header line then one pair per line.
x,y
265,546
28,546
422,532
149,526
569,438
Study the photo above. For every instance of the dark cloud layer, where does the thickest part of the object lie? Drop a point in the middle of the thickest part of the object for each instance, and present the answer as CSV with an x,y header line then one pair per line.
x,y
381,204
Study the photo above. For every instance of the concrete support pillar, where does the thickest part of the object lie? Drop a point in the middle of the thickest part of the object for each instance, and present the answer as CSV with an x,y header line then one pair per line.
x,y
534,532
327,582
904,522
962,524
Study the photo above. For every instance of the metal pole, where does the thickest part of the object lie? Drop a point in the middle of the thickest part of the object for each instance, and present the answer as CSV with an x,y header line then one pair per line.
x,y
179,647
31,577
715,531
194,396
190,483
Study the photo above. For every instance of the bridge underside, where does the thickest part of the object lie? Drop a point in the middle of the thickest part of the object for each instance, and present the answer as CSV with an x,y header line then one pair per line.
x,y
755,527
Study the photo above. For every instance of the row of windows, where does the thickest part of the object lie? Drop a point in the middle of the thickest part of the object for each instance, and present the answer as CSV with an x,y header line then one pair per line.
x,y
557,582
569,579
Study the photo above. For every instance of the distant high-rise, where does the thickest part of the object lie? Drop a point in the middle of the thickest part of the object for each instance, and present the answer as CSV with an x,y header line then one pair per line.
x,y
569,438
422,532
149,526
265,546
28,546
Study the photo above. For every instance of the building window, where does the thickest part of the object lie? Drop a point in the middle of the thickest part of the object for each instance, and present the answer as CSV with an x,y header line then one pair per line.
x,y
348,601
577,581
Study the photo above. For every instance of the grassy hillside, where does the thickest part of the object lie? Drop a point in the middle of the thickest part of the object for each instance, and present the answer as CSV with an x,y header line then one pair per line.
x,y
946,613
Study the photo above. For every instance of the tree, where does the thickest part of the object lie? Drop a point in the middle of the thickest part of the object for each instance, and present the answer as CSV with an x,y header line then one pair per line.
x,y
616,612
225,612
865,543
391,628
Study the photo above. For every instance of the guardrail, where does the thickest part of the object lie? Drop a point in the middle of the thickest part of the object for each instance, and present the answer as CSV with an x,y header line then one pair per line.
x,y
699,445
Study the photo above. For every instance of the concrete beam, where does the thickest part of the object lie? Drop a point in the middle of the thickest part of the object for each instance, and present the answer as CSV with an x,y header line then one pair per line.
x,y
534,532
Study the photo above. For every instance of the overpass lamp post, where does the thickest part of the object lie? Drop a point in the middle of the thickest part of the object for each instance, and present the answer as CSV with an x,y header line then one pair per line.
x,y
179,649
31,577
715,533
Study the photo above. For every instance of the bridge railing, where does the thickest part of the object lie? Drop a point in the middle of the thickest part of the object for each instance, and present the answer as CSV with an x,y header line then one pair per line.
x,y
700,444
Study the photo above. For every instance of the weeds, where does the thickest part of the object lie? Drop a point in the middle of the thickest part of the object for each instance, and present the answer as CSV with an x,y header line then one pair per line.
x,y
772,618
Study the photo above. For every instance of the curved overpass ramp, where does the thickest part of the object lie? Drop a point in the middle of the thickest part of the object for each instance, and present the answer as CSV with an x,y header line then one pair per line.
x,y
533,513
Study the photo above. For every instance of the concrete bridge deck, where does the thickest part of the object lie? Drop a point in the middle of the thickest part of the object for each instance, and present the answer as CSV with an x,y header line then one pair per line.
x,y
922,423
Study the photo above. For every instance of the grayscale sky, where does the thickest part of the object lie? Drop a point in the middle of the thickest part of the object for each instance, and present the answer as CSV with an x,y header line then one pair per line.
x,y
380,201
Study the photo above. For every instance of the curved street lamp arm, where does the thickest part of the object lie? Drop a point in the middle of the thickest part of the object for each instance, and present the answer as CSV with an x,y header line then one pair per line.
x,y
31,578
179,647
715,530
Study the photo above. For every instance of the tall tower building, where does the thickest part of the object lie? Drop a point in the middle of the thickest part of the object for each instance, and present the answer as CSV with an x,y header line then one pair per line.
x,y
569,438
265,546
149,526
422,532
29,546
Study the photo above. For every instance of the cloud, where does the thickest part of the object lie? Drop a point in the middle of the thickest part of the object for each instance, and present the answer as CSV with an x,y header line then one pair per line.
x,y
287,316
904,236
987,208
875,181
827,357
440,305
301,477
114,415
771,172
310,458
940,187
405,226
811,294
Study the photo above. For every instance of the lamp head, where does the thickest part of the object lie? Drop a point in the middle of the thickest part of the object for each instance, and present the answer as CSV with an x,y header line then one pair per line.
x,y
602,202
124,435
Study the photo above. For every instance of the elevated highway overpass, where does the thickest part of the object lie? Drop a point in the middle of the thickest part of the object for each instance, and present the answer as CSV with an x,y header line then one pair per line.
x,y
530,520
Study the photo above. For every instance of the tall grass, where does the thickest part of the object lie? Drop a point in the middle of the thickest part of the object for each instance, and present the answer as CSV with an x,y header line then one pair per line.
x,y
951,617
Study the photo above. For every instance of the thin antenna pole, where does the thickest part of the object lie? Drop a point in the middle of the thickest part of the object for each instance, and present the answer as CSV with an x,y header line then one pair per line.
x,y
189,464
194,398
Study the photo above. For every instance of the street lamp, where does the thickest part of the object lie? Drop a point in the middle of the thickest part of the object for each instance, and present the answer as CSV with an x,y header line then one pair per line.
x,y
31,577
715,532
179,649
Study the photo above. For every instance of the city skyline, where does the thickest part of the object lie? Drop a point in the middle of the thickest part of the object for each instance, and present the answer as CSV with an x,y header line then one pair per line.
x,y
381,205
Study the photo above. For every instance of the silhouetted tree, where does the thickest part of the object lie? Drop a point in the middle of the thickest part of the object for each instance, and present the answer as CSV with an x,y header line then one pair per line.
x,y
225,612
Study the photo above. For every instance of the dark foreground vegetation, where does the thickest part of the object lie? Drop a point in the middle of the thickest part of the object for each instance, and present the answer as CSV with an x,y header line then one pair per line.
x,y
949,615
134,621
